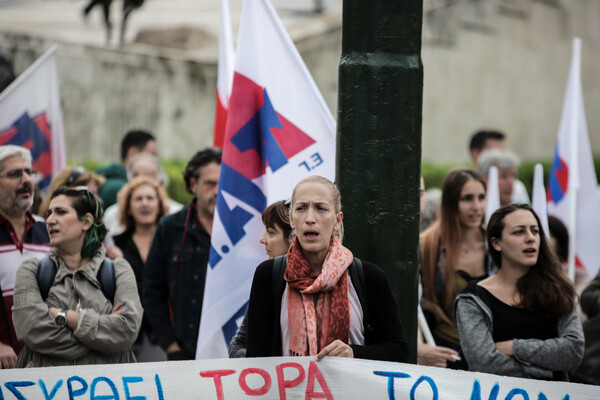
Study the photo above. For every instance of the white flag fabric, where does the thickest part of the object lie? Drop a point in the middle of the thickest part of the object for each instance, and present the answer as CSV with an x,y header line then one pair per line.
x,y
224,74
493,193
279,130
538,198
30,116
573,176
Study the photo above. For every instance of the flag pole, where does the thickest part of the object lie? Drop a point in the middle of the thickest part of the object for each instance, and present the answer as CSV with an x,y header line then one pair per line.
x,y
425,327
574,170
538,199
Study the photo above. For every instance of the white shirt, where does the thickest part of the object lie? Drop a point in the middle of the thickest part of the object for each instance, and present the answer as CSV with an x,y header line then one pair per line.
x,y
356,334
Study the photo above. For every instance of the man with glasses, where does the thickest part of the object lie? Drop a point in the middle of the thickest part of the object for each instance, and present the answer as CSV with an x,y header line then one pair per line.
x,y
22,236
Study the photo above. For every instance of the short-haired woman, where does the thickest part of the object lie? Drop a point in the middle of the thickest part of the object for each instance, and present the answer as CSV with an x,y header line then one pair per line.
x,y
277,239
76,324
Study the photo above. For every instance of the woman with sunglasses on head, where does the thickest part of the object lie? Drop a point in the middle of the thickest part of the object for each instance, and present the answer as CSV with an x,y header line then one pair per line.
x,y
277,239
76,323
522,321
453,252
75,177
318,303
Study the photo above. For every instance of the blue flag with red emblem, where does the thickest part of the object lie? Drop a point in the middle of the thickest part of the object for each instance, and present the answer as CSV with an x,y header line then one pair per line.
x,y
279,130
572,187
30,116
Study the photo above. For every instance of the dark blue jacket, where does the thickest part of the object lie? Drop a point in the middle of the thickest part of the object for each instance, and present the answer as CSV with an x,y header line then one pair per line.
x,y
174,276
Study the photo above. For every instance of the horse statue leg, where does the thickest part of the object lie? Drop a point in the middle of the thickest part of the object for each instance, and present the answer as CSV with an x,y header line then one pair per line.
x,y
128,7
108,25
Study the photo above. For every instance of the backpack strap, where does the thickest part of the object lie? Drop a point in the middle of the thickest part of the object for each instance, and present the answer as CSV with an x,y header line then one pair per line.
x,y
357,274
6,319
46,273
45,276
106,277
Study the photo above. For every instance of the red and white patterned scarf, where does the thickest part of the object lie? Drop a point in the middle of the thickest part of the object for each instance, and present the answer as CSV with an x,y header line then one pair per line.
x,y
312,328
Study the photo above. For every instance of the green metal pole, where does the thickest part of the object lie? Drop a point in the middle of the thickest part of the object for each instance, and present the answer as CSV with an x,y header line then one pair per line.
x,y
379,142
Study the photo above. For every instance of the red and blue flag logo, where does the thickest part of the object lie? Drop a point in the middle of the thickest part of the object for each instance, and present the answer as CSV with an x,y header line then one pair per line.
x,y
257,137
33,134
559,179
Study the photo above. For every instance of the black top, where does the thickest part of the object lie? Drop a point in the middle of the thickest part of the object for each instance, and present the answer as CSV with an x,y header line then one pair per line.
x,y
125,242
516,322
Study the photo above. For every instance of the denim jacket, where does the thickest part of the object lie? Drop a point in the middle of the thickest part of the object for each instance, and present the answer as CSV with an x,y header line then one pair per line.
x,y
174,276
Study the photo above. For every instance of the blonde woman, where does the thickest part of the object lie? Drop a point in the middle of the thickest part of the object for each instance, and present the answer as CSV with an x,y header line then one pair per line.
x,y
320,306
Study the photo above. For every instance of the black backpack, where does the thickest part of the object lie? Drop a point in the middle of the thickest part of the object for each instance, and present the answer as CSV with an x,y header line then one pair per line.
x,y
106,276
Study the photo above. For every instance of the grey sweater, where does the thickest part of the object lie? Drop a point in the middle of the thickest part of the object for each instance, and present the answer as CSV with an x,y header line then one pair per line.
x,y
533,358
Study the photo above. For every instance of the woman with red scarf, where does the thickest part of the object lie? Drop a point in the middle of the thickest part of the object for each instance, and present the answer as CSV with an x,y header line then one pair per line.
x,y
326,302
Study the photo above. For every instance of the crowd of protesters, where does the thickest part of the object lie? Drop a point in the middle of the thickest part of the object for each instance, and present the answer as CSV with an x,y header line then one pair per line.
x,y
81,286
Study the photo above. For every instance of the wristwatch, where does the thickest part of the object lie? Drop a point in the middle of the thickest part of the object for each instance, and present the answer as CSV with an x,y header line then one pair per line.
x,y
61,318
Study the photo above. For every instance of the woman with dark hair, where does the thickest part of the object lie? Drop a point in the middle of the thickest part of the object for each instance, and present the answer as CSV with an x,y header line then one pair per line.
x,y
522,321
316,301
453,253
76,323
277,239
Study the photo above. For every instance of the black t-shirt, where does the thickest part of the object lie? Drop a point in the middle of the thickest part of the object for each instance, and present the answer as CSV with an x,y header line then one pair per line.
x,y
516,322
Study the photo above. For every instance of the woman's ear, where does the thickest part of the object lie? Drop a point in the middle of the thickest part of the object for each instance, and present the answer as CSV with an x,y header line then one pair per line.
x,y
338,220
88,221
495,244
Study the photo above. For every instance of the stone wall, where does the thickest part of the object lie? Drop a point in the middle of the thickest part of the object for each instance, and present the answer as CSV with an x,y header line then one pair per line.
x,y
487,63
106,91
504,64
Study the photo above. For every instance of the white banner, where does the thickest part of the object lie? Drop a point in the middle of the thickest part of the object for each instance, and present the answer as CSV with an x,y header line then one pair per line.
x,y
277,378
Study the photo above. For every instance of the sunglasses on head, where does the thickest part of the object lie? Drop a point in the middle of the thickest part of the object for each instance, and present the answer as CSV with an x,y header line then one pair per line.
x,y
90,196
75,174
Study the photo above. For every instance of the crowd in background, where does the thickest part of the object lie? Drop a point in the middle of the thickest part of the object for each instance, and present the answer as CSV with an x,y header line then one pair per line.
x,y
126,269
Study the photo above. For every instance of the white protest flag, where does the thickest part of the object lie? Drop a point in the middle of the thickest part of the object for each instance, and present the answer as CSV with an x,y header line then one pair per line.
x,y
538,198
224,74
279,130
493,193
572,195
30,116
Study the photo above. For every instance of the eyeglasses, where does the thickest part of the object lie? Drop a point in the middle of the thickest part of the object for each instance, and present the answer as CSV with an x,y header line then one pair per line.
x,y
75,174
18,174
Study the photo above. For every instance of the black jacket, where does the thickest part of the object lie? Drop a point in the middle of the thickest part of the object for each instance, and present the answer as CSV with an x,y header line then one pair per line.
x,y
386,340
180,264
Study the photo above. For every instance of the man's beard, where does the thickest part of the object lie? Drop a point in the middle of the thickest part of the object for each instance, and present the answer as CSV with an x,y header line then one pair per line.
x,y
207,207
12,204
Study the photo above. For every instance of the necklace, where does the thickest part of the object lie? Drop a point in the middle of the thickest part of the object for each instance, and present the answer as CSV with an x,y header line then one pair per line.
x,y
467,249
